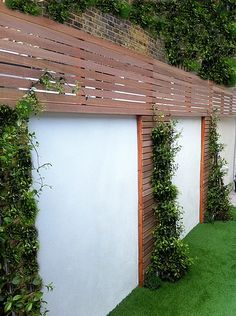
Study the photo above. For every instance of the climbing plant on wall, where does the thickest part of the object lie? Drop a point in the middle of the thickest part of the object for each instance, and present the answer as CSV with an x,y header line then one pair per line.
x,y
201,36
20,283
218,205
198,35
170,257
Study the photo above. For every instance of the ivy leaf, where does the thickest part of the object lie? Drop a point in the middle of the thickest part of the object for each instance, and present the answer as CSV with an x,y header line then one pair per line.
x,y
29,307
17,297
7,307
7,220
16,280
37,281
38,296
49,286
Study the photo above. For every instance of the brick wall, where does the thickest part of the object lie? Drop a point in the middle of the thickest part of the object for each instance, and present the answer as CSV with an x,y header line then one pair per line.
x,y
118,31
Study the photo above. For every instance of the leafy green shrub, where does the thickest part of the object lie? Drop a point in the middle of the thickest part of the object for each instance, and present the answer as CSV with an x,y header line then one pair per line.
x,y
146,14
58,10
151,280
201,36
218,206
27,6
122,8
233,213
170,257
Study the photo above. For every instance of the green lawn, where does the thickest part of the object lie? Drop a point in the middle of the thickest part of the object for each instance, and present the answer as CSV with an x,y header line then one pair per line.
x,y
233,213
208,289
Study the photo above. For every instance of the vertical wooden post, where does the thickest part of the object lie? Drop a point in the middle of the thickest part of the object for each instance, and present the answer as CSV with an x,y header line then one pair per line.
x,y
202,168
140,201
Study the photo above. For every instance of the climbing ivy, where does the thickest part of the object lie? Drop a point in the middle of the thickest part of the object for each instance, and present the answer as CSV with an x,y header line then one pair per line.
x,y
201,36
20,283
218,206
170,258
198,35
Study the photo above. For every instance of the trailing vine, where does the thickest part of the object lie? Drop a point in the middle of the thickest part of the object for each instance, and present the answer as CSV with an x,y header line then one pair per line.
x,y
201,36
170,257
20,283
198,35
218,206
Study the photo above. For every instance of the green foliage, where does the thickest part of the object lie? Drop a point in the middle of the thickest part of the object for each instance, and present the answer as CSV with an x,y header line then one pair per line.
x,y
233,213
220,70
202,34
27,6
20,283
170,255
198,35
218,206
122,8
59,10
151,280
147,15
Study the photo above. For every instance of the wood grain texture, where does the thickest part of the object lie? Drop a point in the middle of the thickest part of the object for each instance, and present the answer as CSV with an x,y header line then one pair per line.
x,y
113,79
202,169
140,201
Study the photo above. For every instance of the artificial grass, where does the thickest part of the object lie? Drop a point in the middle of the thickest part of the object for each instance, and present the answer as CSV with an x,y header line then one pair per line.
x,y
209,288
233,213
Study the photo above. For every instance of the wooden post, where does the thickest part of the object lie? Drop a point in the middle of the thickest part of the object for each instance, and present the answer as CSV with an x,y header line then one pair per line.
x,y
202,167
140,201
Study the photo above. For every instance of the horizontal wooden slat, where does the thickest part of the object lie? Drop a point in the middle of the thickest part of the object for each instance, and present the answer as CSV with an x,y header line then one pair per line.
x,y
116,72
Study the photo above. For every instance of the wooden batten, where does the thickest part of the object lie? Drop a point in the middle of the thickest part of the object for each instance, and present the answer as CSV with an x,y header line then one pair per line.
x,y
202,169
140,201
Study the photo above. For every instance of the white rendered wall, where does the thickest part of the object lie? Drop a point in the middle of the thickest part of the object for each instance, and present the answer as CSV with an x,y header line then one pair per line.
x,y
88,222
226,128
187,177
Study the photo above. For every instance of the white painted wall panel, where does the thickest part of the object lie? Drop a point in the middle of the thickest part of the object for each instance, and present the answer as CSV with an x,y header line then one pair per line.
x,y
88,222
187,177
226,128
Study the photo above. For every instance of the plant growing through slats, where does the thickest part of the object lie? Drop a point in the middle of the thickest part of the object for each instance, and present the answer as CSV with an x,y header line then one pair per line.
x,y
218,206
170,256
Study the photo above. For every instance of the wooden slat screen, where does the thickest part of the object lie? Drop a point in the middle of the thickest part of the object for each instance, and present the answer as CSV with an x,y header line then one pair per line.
x,y
114,79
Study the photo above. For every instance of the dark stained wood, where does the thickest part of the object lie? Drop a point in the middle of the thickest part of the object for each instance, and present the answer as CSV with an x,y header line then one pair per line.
x,y
140,201
202,167
113,77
